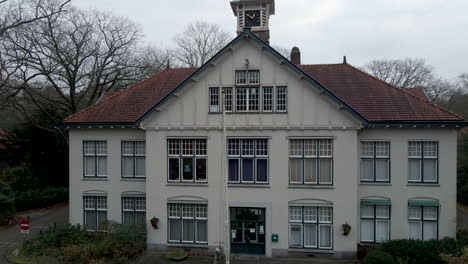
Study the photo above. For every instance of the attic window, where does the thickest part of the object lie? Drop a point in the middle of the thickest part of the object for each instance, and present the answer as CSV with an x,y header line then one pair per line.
x,y
248,77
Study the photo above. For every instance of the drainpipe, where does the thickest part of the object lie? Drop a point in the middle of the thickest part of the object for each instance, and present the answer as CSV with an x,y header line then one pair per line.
x,y
225,174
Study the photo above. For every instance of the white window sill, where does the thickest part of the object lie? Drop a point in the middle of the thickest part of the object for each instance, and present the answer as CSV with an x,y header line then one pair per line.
x,y
305,186
376,183
133,179
311,250
248,185
191,184
187,245
94,179
423,184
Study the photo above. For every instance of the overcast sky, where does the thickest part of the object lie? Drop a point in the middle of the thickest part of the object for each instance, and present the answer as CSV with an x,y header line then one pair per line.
x,y
325,30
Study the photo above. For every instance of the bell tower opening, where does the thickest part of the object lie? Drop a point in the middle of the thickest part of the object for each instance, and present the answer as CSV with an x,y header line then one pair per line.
x,y
254,14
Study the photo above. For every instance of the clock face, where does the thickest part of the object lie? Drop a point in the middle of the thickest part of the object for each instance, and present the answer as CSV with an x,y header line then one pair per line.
x,y
252,18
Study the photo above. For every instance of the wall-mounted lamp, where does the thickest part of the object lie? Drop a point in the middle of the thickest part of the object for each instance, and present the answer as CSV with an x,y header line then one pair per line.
x,y
155,222
346,229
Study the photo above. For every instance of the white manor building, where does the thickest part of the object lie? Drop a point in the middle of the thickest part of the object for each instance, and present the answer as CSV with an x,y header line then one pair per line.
x,y
297,150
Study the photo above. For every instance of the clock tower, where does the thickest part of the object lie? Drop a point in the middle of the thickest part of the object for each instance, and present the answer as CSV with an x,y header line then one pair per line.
x,y
254,14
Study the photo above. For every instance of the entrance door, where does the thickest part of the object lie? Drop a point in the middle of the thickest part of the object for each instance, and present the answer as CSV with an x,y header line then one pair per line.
x,y
248,230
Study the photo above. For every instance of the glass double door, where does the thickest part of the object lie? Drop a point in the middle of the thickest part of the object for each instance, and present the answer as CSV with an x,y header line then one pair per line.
x,y
248,230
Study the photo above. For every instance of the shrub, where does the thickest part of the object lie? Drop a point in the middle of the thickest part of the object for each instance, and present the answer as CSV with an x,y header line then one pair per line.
x,y
73,244
58,236
378,257
364,249
7,203
72,253
462,234
423,252
39,198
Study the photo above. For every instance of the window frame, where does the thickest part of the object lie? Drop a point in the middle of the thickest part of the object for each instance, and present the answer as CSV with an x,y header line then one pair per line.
x,y
421,219
214,98
255,157
134,211
374,220
134,157
318,223
96,174
374,160
181,218
272,99
194,156
277,99
303,157
96,210
421,159
228,97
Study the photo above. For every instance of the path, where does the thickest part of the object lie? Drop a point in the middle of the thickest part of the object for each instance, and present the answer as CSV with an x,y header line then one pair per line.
x,y
10,236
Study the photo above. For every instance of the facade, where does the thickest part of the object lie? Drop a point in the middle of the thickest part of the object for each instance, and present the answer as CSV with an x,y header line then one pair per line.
x,y
297,151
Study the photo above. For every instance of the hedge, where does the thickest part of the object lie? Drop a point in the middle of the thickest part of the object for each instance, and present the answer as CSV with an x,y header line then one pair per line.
x,y
39,198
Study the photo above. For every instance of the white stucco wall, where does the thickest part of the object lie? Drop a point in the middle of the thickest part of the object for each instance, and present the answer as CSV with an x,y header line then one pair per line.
x,y
399,191
113,185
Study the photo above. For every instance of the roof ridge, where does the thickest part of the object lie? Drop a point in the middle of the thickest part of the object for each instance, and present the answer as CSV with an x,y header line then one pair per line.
x,y
115,94
405,92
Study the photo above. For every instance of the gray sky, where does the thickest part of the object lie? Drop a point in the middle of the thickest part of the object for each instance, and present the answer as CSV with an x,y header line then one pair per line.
x,y
325,30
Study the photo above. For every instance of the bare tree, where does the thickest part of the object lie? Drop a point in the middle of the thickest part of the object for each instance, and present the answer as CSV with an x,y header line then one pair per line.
x,y
66,61
199,42
406,73
283,51
414,73
154,60
440,90
21,12
464,81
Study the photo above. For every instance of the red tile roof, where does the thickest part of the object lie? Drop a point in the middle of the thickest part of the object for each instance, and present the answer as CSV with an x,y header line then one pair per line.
x,y
372,98
130,104
375,99
418,92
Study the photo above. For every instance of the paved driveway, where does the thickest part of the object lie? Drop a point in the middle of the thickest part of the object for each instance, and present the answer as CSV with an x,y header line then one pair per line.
x,y
10,236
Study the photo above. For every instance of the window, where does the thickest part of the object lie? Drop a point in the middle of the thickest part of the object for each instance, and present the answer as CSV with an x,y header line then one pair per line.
x,y
228,99
423,161
267,99
134,210
95,158
248,160
95,212
247,99
375,222
214,100
187,160
187,223
248,77
375,161
311,161
310,227
133,159
281,99
423,222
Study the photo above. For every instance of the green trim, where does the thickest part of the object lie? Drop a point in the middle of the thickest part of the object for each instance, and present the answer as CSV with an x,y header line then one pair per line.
x,y
375,202
423,203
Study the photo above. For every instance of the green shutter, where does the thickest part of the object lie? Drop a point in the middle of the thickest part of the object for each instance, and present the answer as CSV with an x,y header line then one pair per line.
x,y
433,203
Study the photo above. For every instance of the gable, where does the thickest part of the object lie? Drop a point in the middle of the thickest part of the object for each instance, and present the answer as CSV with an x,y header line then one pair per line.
x,y
307,106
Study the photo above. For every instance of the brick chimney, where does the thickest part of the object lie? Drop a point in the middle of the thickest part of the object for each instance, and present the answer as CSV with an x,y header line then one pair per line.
x,y
296,56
